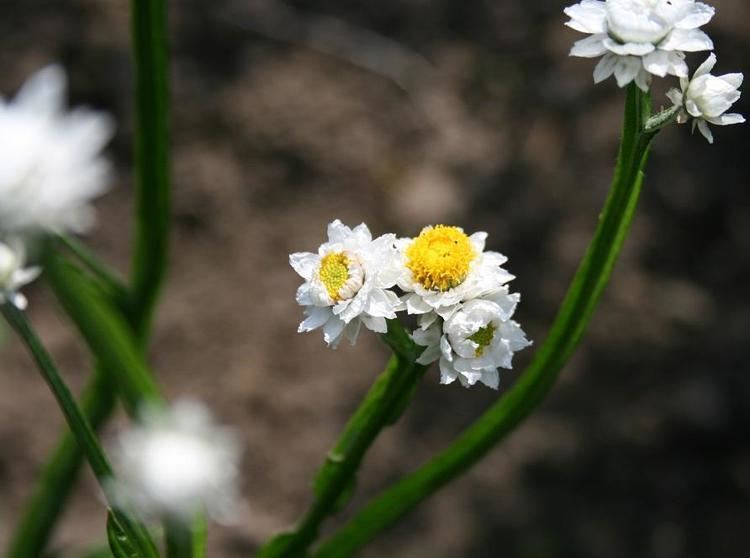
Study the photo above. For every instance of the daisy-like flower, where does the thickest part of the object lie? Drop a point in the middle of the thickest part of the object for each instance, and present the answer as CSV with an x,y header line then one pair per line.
x,y
706,98
14,274
639,38
51,158
176,463
347,283
475,340
443,267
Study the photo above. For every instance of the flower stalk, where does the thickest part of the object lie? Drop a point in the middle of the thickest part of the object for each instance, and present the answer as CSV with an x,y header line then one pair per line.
x,y
536,381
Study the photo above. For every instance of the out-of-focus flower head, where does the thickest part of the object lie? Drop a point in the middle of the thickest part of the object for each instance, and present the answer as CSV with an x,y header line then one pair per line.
x,y
176,463
51,165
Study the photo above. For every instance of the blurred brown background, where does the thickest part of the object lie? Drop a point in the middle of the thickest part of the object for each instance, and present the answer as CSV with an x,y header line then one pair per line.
x,y
401,114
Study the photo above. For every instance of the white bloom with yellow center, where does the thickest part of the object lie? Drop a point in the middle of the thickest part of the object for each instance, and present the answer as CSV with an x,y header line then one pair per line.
x,y
706,98
14,274
51,158
443,267
476,340
639,38
176,463
347,283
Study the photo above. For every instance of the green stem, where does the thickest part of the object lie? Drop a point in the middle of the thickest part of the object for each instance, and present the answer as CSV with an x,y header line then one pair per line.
x,y
149,31
151,252
533,385
75,418
178,539
335,480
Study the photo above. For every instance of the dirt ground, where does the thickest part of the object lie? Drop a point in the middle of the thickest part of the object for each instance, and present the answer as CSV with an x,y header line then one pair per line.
x,y
401,114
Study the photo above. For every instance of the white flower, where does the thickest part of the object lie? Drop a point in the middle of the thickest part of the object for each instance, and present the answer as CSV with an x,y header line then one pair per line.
x,y
176,463
639,38
443,267
477,339
346,283
706,98
51,163
14,274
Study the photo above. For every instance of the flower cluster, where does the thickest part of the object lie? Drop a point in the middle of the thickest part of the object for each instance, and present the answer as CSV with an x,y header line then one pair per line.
x,y
52,169
457,290
639,39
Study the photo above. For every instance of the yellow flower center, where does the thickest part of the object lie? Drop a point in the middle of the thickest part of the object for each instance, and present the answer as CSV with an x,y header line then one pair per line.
x,y
439,258
483,337
334,273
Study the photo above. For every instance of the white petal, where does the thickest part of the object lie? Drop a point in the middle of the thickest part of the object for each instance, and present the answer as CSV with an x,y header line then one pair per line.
x,y
705,131
627,69
635,49
699,14
382,303
587,17
416,305
687,40
374,323
727,119
657,62
490,378
675,95
448,374
316,317
338,232
352,331
734,80
706,67
332,331
605,68
429,355
44,92
590,47
304,263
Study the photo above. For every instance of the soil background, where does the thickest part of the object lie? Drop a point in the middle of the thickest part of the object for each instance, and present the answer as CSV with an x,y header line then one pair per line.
x,y
400,114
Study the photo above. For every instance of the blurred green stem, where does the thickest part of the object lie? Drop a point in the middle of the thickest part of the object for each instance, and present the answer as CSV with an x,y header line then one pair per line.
x,y
536,381
335,480
150,263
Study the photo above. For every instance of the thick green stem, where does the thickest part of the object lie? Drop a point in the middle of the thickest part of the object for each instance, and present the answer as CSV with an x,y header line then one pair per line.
x,y
536,381
336,479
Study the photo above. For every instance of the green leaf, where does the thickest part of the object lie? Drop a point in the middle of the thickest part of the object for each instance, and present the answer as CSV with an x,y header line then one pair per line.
x,y
128,538
104,330
536,381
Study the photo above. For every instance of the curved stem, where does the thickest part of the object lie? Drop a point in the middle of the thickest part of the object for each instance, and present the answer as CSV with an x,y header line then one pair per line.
x,y
335,480
565,334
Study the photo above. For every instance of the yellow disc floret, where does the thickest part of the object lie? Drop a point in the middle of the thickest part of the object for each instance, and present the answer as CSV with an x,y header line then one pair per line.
x,y
483,337
334,273
439,258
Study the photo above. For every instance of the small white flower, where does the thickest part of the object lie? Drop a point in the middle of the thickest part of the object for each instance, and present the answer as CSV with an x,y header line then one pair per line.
x,y
347,283
706,98
639,38
14,274
476,340
443,267
176,463
51,162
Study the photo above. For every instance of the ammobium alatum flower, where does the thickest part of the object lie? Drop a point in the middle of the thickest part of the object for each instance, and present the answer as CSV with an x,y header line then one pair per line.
x,y
347,283
175,463
51,158
706,98
442,267
14,274
639,38
476,340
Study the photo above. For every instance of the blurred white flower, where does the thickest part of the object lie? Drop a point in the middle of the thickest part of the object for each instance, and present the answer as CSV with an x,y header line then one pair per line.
x,y
706,98
476,340
639,38
347,283
14,274
443,267
176,463
51,158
